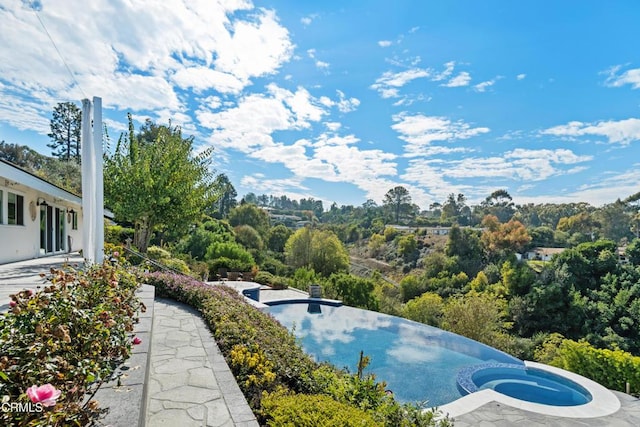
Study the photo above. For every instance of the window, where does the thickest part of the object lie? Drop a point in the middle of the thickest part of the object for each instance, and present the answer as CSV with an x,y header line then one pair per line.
x,y
15,209
1,215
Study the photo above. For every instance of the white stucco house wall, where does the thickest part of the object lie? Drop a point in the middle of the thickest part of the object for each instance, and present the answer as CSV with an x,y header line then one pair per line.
x,y
37,218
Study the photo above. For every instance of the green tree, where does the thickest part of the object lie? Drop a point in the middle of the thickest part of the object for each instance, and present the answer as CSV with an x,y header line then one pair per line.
x,y
22,156
157,183
398,201
328,254
353,291
65,131
250,215
278,236
319,250
476,316
225,196
498,203
407,246
229,255
248,237
455,210
376,243
465,247
428,308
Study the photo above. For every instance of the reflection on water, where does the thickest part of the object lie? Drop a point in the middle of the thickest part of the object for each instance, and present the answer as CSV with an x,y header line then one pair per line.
x,y
314,308
418,362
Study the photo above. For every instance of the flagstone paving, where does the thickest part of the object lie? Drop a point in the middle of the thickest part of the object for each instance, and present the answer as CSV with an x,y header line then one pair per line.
x,y
190,383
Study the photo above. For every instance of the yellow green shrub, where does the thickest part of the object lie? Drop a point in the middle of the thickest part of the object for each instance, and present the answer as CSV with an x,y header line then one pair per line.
x,y
311,410
611,368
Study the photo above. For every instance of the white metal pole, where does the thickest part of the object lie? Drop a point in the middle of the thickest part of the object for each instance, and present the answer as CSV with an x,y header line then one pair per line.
x,y
99,181
88,190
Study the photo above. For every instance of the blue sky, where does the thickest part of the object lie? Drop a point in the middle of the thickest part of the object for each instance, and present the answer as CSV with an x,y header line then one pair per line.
x,y
343,100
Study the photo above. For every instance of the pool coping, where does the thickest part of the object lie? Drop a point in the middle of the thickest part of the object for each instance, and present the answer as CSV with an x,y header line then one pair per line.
x,y
603,401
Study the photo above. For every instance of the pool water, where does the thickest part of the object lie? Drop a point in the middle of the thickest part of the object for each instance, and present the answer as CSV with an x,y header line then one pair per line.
x,y
419,363
532,385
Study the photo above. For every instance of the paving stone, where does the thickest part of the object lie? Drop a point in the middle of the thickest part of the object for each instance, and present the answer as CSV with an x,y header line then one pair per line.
x,y
190,351
173,418
173,366
202,377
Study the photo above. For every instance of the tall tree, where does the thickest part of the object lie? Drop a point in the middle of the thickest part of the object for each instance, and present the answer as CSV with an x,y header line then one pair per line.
x,y
65,131
157,184
500,204
398,201
226,195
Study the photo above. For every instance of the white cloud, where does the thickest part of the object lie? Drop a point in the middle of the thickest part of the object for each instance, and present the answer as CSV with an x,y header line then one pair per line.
x,y
618,185
322,64
462,79
388,84
385,43
521,76
630,77
344,104
448,70
482,87
131,65
307,20
420,131
617,132
203,78
442,177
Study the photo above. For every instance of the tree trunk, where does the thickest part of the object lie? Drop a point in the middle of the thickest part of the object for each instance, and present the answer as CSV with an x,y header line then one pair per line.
x,y
142,235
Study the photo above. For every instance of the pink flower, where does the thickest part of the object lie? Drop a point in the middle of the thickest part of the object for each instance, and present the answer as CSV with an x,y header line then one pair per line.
x,y
136,341
12,304
45,394
116,254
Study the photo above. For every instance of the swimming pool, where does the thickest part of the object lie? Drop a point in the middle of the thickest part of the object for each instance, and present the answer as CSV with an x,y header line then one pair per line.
x,y
418,362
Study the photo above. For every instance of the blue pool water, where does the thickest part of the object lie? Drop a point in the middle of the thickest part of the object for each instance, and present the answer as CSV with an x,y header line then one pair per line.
x,y
532,385
418,362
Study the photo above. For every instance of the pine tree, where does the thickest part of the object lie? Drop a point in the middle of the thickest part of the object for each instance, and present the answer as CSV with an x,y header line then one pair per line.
x,y
65,131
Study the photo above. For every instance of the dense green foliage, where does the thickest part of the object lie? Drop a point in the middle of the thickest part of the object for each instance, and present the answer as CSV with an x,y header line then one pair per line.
x,y
312,410
154,181
320,250
613,368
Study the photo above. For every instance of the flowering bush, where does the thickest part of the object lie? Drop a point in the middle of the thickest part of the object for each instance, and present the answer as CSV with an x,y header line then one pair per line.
x,y
60,343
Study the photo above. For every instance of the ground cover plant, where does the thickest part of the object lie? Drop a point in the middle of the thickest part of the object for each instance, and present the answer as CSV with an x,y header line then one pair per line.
x,y
274,373
59,344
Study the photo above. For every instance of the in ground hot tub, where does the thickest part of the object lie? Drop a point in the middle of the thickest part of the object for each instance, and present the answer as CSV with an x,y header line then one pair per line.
x,y
524,383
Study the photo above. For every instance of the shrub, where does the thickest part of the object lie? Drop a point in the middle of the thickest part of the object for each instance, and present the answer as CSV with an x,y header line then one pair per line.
x,y
157,253
229,255
116,234
302,410
71,335
611,368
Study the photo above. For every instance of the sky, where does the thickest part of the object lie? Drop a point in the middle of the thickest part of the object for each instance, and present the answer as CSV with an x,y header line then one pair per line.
x,y
342,101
